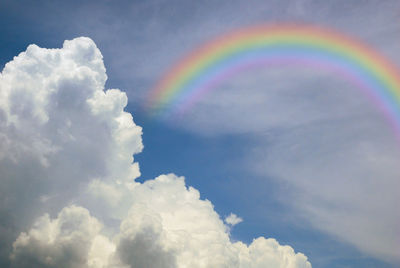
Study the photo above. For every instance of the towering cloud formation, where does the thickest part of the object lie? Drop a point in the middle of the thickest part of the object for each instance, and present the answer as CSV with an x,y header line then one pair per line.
x,y
68,192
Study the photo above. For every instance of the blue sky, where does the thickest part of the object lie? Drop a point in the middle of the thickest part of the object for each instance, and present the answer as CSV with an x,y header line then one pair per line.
x,y
308,161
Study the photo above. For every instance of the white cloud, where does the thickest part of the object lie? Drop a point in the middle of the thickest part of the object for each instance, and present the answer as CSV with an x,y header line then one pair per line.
x,y
59,130
268,253
233,219
183,224
66,241
168,225
170,218
69,150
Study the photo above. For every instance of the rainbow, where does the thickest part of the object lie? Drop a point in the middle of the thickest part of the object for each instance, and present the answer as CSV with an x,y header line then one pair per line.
x,y
274,45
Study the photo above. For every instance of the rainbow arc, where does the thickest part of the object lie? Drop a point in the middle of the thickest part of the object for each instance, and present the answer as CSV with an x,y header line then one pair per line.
x,y
274,45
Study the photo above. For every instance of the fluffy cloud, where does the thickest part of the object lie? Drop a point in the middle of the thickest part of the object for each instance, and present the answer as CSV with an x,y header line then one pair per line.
x,y
168,225
68,195
233,219
59,130
67,241
171,219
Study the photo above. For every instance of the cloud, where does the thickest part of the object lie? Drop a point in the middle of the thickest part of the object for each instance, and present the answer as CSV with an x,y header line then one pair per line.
x,y
69,196
331,152
67,241
179,224
233,219
343,177
59,131
168,225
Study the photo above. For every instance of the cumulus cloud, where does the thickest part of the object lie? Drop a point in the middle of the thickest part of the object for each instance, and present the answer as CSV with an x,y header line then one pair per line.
x,y
69,196
189,233
233,219
59,130
168,225
66,241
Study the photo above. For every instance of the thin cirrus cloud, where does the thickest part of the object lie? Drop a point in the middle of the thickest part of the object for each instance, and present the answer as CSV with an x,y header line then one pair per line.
x,y
335,151
69,195
321,137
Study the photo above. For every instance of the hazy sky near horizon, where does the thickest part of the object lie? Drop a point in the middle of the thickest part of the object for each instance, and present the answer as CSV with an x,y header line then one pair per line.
x,y
293,154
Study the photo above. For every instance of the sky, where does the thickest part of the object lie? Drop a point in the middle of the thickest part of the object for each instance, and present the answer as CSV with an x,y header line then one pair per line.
x,y
276,167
